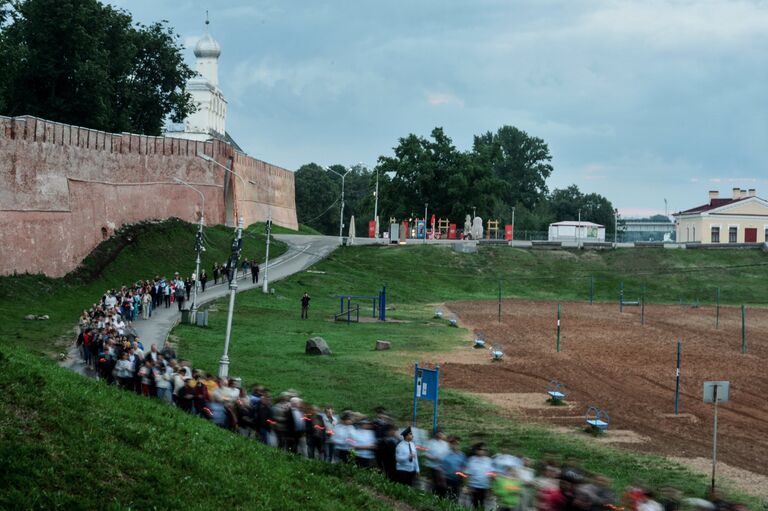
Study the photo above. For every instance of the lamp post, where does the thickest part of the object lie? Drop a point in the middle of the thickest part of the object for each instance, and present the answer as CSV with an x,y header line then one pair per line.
x,y
234,258
341,211
265,280
198,241
578,234
615,227
513,222
376,205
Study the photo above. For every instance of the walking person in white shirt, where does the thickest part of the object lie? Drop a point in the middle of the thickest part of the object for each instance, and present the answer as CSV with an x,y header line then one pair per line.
x,y
341,436
437,450
364,443
479,472
407,459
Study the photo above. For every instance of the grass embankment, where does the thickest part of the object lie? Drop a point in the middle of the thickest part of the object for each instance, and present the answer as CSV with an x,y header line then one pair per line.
x,y
67,442
137,252
268,336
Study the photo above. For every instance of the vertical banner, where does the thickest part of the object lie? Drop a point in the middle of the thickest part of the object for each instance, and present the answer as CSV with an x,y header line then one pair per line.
x,y
405,234
371,228
508,232
452,231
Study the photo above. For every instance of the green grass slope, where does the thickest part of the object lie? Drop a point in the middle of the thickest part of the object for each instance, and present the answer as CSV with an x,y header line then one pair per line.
x,y
67,442
268,337
136,252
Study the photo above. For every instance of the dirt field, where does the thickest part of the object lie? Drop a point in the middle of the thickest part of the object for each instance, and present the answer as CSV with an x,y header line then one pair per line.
x,y
608,359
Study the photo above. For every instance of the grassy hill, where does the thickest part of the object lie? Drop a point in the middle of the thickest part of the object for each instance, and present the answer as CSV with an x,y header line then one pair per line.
x,y
136,252
268,337
67,442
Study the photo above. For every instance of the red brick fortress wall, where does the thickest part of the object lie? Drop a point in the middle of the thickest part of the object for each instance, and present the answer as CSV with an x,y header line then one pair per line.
x,y
63,189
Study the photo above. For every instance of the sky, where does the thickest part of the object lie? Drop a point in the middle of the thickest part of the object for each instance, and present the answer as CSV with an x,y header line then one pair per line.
x,y
640,101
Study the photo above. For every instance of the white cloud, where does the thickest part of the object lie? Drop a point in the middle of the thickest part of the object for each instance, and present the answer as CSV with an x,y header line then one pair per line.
x,y
444,98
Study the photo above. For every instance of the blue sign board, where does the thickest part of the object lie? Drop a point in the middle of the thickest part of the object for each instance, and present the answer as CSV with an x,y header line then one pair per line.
x,y
421,230
425,386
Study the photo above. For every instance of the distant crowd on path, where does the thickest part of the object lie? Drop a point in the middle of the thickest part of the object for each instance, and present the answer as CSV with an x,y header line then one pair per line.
x,y
471,476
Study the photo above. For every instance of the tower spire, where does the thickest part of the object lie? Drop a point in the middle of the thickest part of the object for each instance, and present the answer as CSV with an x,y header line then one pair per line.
x,y
207,21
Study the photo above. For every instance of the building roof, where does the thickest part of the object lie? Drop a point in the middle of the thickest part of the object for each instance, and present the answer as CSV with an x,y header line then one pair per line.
x,y
573,223
713,204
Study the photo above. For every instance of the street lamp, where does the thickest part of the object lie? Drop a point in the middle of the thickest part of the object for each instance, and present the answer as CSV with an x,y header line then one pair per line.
x,y
198,241
265,280
234,258
578,234
376,205
341,211
513,222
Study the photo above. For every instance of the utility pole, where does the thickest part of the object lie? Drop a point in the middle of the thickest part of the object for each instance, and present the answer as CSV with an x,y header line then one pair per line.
x,y
234,259
615,227
376,206
264,284
341,210
198,240
513,222
578,234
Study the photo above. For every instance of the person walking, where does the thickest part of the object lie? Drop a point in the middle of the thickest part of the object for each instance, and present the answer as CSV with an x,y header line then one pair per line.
x,y
305,306
216,272
255,273
203,280
479,469
181,296
407,459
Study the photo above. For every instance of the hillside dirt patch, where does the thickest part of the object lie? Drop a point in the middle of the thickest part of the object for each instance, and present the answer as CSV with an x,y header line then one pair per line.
x,y
610,360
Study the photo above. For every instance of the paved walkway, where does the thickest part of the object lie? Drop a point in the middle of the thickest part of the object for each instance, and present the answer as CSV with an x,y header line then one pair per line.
x,y
303,251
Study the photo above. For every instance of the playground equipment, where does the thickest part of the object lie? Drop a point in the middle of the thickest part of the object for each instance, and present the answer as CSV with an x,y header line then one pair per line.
x,y
555,391
378,305
493,227
443,225
597,420
497,353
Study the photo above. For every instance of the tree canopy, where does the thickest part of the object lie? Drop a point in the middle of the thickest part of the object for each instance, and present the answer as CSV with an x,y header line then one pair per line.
x,y
84,63
504,174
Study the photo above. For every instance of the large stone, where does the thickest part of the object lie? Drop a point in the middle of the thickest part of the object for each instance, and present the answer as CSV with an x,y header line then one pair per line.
x,y
317,346
383,345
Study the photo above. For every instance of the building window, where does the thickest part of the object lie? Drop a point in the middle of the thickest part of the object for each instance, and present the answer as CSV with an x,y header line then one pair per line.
x,y
733,233
694,234
766,234
715,234
687,234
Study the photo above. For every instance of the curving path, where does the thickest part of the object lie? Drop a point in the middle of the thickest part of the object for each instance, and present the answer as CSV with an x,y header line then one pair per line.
x,y
303,251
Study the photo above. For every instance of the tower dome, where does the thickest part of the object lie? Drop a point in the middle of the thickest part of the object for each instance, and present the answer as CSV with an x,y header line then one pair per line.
x,y
207,47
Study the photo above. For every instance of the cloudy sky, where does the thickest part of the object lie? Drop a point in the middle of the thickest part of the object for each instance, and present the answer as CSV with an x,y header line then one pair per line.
x,y
640,101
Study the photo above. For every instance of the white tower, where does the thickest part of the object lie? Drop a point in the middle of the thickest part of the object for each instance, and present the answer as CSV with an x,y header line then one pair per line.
x,y
209,120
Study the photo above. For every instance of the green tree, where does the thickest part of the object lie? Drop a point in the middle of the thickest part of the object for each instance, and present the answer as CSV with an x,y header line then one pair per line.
x,y
81,62
566,204
432,171
317,198
519,161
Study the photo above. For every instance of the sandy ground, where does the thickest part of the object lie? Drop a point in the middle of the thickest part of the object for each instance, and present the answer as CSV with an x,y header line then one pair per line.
x,y
610,360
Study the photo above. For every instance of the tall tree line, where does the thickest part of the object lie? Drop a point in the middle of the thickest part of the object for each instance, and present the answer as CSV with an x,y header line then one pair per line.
x,y
505,171
85,63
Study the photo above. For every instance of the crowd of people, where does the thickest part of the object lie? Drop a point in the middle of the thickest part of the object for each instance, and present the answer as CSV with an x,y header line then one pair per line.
x,y
441,464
